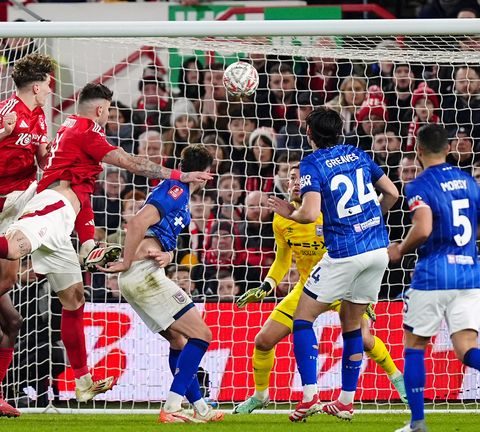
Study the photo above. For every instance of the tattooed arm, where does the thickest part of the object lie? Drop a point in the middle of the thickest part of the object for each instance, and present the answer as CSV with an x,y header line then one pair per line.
x,y
142,166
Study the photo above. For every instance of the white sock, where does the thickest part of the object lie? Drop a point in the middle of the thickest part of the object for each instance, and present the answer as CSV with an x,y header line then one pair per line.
x,y
84,382
346,397
261,394
309,391
201,406
396,374
173,402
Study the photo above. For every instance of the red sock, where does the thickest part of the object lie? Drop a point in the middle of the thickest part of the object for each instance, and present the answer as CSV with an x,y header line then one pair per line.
x,y
6,355
3,247
73,338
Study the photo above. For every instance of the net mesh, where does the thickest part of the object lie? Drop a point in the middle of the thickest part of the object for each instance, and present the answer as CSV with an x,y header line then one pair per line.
x,y
168,93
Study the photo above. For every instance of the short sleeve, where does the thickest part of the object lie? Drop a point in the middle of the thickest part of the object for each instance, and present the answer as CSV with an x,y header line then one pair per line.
x,y
416,196
309,178
98,145
167,197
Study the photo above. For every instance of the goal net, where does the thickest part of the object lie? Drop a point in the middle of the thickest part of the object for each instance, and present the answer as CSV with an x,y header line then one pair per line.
x,y
168,92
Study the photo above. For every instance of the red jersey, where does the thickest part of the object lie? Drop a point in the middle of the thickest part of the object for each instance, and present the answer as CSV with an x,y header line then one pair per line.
x,y
17,151
76,155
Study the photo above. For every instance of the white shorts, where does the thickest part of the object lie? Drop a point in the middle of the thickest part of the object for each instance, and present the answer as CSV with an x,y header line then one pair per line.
x,y
356,279
425,310
157,300
48,221
14,204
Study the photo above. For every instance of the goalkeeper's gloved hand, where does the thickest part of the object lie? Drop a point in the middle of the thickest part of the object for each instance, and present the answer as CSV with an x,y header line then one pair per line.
x,y
371,312
256,294
98,255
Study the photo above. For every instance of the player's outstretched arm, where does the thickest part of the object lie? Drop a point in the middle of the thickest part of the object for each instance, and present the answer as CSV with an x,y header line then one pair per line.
x,y
422,223
9,122
142,166
257,294
307,213
389,193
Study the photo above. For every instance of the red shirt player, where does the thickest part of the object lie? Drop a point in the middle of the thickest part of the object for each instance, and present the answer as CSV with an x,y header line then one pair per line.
x,y
23,142
44,228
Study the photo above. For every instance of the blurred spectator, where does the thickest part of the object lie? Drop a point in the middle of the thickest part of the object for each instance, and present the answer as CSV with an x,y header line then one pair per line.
x,y
112,288
463,105
185,130
230,197
424,102
371,119
294,135
386,148
462,153
447,8
467,13
214,105
476,172
150,146
241,124
260,172
181,275
282,169
227,287
106,206
152,106
132,202
190,81
119,127
217,147
352,95
381,73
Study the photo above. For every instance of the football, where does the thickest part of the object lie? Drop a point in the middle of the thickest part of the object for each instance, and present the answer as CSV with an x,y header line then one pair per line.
x,y
240,79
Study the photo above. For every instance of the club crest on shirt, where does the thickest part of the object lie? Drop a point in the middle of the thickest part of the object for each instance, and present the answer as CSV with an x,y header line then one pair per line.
x,y
180,297
319,230
175,192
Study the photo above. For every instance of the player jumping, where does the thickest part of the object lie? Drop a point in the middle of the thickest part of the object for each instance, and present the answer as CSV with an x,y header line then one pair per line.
x,y
338,181
162,305
445,202
306,243
48,219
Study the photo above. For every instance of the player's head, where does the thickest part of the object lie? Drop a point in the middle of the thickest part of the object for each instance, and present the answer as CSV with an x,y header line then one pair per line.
x,y
324,127
94,102
195,157
432,142
294,183
32,74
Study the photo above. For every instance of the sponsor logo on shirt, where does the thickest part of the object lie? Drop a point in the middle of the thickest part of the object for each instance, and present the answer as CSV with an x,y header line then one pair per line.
x,y
305,180
460,259
23,124
175,192
367,224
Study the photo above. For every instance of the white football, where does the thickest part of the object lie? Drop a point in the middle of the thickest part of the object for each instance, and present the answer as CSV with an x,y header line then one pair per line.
x,y
240,79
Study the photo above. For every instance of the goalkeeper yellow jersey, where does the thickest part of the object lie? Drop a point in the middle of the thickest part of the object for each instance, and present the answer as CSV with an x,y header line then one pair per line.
x,y
303,241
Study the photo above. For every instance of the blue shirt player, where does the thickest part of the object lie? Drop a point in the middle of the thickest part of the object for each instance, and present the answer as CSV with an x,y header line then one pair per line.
x,y
445,203
341,181
162,305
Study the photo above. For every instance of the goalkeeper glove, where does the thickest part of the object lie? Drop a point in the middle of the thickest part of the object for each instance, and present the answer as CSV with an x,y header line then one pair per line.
x,y
371,312
100,255
256,294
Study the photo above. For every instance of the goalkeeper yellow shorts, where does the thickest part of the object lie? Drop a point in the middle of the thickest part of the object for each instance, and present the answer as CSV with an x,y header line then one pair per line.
x,y
285,310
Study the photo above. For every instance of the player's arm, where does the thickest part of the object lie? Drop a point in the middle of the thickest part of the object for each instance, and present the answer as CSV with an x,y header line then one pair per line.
x,y
142,166
137,227
42,154
308,211
389,193
422,223
9,121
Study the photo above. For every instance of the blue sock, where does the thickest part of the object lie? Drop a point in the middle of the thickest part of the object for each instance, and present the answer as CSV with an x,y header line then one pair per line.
x,y
414,376
352,344
193,393
187,365
305,347
472,358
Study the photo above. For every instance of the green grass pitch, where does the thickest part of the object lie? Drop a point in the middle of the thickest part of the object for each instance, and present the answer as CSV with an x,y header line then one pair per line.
x,y
237,423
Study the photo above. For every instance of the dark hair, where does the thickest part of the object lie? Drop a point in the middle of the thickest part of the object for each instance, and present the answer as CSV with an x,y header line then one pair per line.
x,y
195,157
93,91
433,138
125,111
324,126
295,166
289,157
280,68
31,68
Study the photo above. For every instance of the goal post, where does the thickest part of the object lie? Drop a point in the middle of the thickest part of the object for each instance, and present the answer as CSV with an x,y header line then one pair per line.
x,y
385,77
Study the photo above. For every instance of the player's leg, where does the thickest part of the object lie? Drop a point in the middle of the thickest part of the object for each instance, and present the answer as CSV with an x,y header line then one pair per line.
x,y
15,245
376,349
10,325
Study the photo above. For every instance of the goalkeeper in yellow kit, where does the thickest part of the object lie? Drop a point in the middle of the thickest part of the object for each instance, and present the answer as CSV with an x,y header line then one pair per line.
x,y
305,242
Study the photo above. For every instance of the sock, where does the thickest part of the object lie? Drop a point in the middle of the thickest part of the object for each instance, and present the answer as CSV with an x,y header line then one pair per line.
x,y
185,372
73,338
414,376
309,391
262,367
3,247
305,348
380,355
471,358
193,393
6,355
352,345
